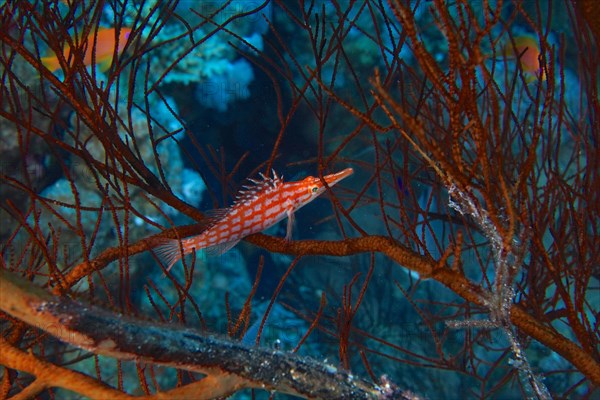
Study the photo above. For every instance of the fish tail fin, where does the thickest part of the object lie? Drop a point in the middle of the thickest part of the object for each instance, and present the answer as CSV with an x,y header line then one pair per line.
x,y
51,62
170,251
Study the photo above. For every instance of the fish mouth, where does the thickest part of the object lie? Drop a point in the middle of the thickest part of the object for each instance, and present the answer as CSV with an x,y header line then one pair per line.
x,y
338,176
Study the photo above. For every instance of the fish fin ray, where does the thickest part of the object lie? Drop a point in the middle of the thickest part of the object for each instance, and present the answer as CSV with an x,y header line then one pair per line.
x,y
290,225
169,252
256,188
220,248
214,215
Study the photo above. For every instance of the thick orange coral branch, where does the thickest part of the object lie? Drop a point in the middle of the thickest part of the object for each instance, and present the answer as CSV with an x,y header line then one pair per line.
x,y
126,338
426,267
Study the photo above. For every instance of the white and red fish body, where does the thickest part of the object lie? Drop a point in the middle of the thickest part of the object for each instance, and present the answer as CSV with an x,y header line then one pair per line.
x,y
255,209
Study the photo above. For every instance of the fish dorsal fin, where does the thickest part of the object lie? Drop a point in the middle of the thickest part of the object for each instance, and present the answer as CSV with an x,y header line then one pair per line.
x,y
257,187
216,214
212,217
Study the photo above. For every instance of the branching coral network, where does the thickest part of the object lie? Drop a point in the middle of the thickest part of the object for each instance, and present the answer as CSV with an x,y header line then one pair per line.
x,y
464,249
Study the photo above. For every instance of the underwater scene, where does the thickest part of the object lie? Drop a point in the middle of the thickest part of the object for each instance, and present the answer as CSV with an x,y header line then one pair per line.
x,y
280,199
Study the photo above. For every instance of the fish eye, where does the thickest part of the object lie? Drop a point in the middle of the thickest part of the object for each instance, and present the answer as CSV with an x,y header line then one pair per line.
x,y
314,189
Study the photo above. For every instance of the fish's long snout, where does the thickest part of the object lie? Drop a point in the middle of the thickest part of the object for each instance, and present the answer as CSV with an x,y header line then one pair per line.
x,y
338,176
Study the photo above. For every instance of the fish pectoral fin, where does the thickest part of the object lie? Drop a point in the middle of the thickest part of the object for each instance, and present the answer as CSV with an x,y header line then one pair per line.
x,y
290,224
220,248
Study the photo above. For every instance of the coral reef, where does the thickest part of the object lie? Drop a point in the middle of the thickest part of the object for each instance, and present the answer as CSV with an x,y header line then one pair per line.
x,y
460,257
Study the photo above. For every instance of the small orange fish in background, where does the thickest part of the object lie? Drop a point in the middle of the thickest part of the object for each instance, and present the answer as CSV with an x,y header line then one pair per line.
x,y
103,46
526,50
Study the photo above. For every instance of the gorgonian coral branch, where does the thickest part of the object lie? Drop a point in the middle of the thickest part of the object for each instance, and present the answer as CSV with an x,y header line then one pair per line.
x,y
126,338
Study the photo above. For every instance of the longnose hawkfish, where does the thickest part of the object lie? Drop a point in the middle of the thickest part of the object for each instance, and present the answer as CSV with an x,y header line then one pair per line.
x,y
256,207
